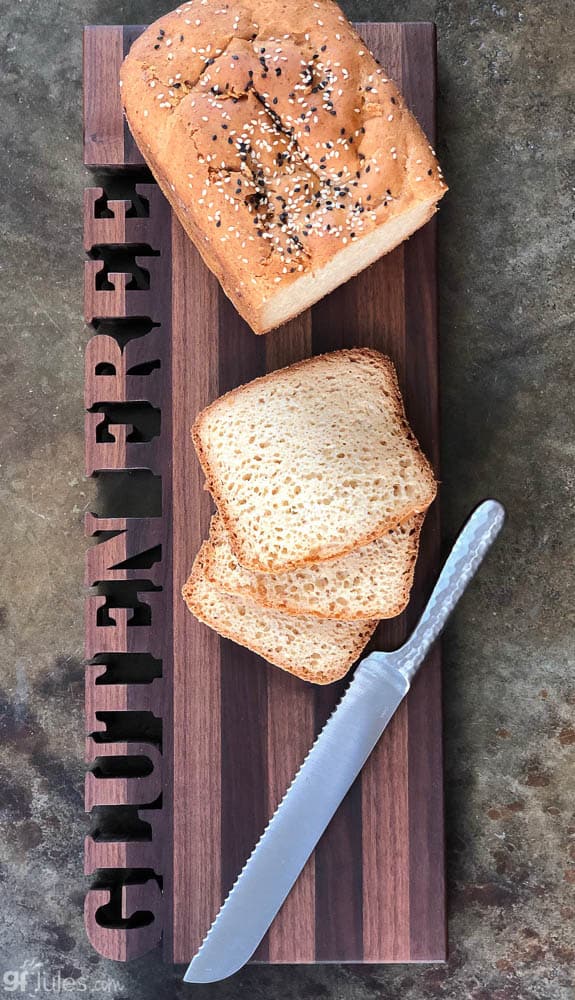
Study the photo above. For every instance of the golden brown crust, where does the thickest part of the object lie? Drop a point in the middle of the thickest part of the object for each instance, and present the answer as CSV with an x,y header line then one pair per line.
x,y
314,676
277,148
405,512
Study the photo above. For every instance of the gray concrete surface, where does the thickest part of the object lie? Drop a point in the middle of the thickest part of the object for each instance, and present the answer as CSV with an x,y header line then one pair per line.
x,y
506,94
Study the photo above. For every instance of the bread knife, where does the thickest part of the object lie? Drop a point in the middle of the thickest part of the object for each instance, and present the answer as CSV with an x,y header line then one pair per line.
x,y
379,685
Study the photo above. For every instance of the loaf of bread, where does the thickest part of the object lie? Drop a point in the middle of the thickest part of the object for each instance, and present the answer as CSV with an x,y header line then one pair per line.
x,y
309,462
373,581
288,155
318,651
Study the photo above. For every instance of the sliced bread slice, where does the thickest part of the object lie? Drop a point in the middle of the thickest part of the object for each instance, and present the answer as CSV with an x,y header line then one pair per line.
x,y
312,461
317,651
373,581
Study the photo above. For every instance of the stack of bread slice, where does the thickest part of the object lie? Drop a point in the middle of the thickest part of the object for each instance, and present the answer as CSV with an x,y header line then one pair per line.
x,y
321,490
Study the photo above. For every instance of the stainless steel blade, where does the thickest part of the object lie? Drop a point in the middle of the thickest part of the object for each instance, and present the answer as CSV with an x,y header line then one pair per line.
x,y
379,685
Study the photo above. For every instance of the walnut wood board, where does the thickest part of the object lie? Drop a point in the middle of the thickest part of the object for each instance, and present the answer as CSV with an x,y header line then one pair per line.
x,y
234,730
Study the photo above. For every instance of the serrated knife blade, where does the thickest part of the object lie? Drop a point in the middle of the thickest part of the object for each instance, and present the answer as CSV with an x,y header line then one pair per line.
x,y
379,685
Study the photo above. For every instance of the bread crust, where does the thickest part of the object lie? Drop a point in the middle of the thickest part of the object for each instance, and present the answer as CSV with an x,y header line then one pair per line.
x,y
209,111
255,587
386,524
314,677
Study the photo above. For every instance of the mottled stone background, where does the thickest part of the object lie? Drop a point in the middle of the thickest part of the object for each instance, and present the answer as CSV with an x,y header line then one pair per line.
x,y
506,126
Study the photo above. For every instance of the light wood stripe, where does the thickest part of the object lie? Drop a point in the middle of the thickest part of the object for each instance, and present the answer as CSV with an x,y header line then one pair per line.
x,y
290,721
196,787
103,118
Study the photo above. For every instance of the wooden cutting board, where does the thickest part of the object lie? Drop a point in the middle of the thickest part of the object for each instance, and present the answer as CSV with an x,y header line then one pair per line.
x,y
233,730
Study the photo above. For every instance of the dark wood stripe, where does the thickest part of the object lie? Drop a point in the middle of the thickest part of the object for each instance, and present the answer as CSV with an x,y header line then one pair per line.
x,y
338,865
243,674
428,935
132,155
196,779
338,856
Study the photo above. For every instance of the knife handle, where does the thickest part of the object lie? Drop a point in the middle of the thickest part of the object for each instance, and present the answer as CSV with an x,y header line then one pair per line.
x,y
474,541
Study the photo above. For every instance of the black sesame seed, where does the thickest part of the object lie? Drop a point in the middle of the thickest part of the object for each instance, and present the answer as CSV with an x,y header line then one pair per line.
x,y
367,169
278,71
323,48
218,223
429,173
156,46
214,137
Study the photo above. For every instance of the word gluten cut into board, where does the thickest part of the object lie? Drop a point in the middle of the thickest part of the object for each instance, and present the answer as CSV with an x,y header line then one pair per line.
x,y
192,740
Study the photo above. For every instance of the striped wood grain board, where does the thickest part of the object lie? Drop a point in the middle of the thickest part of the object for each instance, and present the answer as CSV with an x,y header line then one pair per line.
x,y
235,730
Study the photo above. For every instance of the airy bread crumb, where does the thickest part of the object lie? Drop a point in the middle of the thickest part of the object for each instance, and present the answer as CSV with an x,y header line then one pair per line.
x,y
373,581
309,462
317,651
